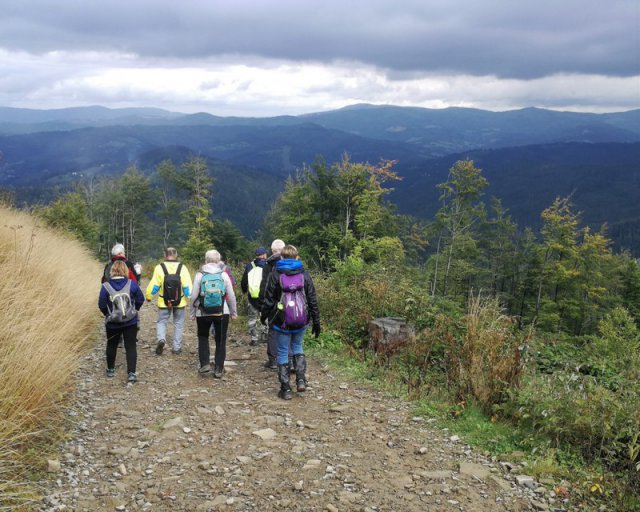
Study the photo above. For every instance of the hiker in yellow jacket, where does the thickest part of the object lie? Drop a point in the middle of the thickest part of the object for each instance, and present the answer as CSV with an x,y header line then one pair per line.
x,y
172,282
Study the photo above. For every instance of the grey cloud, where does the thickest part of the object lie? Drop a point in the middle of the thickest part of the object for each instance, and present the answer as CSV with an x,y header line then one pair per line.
x,y
505,38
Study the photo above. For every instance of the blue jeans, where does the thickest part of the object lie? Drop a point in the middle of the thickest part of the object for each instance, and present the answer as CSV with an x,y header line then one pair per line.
x,y
178,325
286,339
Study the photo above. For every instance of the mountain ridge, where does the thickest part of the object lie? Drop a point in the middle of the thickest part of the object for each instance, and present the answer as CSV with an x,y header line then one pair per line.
x,y
597,151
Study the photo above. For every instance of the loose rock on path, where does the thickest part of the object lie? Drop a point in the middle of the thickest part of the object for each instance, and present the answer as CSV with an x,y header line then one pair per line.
x,y
178,441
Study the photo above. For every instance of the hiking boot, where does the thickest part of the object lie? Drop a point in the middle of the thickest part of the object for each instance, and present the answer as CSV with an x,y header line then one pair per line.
x,y
253,343
285,387
292,367
271,364
132,378
218,372
204,369
159,347
300,364
176,351
111,372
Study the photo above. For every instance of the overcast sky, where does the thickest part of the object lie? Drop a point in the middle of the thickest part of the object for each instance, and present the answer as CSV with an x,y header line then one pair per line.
x,y
268,57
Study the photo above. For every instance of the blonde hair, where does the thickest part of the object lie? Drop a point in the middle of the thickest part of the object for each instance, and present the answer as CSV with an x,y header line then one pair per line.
x,y
119,269
289,252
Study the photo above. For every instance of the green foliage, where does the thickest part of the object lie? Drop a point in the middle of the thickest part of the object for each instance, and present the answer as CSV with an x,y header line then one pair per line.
x,y
332,212
71,213
456,225
168,195
229,241
371,290
147,214
587,396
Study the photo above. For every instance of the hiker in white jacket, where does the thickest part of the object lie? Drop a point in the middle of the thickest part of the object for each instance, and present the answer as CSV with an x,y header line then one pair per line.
x,y
213,302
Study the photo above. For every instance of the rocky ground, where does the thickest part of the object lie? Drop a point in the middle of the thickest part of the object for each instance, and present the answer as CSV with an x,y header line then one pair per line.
x,y
180,441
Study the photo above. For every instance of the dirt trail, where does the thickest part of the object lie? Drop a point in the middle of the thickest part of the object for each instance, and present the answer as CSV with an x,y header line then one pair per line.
x,y
179,441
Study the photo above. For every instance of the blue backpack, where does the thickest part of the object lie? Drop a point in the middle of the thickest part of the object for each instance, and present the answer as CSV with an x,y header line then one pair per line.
x,y
212,293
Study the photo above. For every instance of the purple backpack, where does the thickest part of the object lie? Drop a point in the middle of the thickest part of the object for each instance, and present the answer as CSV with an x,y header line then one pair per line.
x,y
293,302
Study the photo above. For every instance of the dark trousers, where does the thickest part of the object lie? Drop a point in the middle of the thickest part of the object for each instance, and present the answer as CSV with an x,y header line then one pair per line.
x,y
220,325
129,334
272,343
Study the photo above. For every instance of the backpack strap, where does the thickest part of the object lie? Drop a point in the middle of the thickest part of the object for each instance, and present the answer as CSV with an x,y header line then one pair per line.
x,y
179,270
164,269
109,288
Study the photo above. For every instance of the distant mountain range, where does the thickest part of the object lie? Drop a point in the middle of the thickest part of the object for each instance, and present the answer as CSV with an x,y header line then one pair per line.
x,y
529,156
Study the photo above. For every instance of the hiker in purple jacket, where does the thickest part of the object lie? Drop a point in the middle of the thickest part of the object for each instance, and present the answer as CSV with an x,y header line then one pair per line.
x,y
290,304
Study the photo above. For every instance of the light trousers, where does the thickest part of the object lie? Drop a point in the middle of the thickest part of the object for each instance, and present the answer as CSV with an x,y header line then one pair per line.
x,y
178,325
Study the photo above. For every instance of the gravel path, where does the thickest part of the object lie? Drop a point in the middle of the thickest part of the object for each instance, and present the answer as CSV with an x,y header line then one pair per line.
x,y
180,441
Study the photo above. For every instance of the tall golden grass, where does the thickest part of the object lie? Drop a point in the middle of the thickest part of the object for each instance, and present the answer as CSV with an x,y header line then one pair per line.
x,y
48,314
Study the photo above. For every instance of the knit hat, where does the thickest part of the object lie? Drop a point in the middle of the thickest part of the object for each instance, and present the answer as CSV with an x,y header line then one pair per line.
x,y
260,251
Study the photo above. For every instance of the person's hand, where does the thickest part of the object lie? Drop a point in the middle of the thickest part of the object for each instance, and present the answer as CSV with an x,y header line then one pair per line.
x,y
315,330
192,317
233,317
148,300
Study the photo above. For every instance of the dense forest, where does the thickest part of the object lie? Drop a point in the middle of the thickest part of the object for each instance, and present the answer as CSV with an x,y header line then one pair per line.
x,y
535,327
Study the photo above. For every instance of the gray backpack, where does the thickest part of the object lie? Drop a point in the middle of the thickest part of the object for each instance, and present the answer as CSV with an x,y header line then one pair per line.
x,y
122,308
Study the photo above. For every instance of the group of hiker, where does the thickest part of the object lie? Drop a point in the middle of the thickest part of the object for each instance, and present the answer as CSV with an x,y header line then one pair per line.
x,y
282,304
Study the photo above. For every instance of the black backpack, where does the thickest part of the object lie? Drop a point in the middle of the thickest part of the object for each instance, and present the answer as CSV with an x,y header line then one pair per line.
x,y
106,275
172,287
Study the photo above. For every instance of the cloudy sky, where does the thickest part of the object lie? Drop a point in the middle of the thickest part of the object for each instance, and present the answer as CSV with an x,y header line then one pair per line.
x,y
267,57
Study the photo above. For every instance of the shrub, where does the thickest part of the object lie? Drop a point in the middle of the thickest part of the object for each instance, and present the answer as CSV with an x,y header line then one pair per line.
x,y
590,403
357,292
484,360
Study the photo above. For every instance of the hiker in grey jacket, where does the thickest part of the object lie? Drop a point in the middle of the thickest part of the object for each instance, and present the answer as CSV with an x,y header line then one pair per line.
x,y
219,317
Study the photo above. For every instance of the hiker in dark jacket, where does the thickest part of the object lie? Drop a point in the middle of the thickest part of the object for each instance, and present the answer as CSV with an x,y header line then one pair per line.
x,y
250,284
272,343
117,254
290,303
135,271
124,325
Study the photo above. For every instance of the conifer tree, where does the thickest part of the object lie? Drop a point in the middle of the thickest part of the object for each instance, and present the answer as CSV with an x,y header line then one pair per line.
x,y
194,178
456,223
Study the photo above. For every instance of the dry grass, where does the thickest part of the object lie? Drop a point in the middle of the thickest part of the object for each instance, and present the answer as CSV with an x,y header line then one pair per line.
x,y
48,291
488,357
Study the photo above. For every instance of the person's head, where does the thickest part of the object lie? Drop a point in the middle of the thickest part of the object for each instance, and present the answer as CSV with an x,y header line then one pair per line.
x,y
119,269
212,256
171,253
117,250
261,253
276,246
289,252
